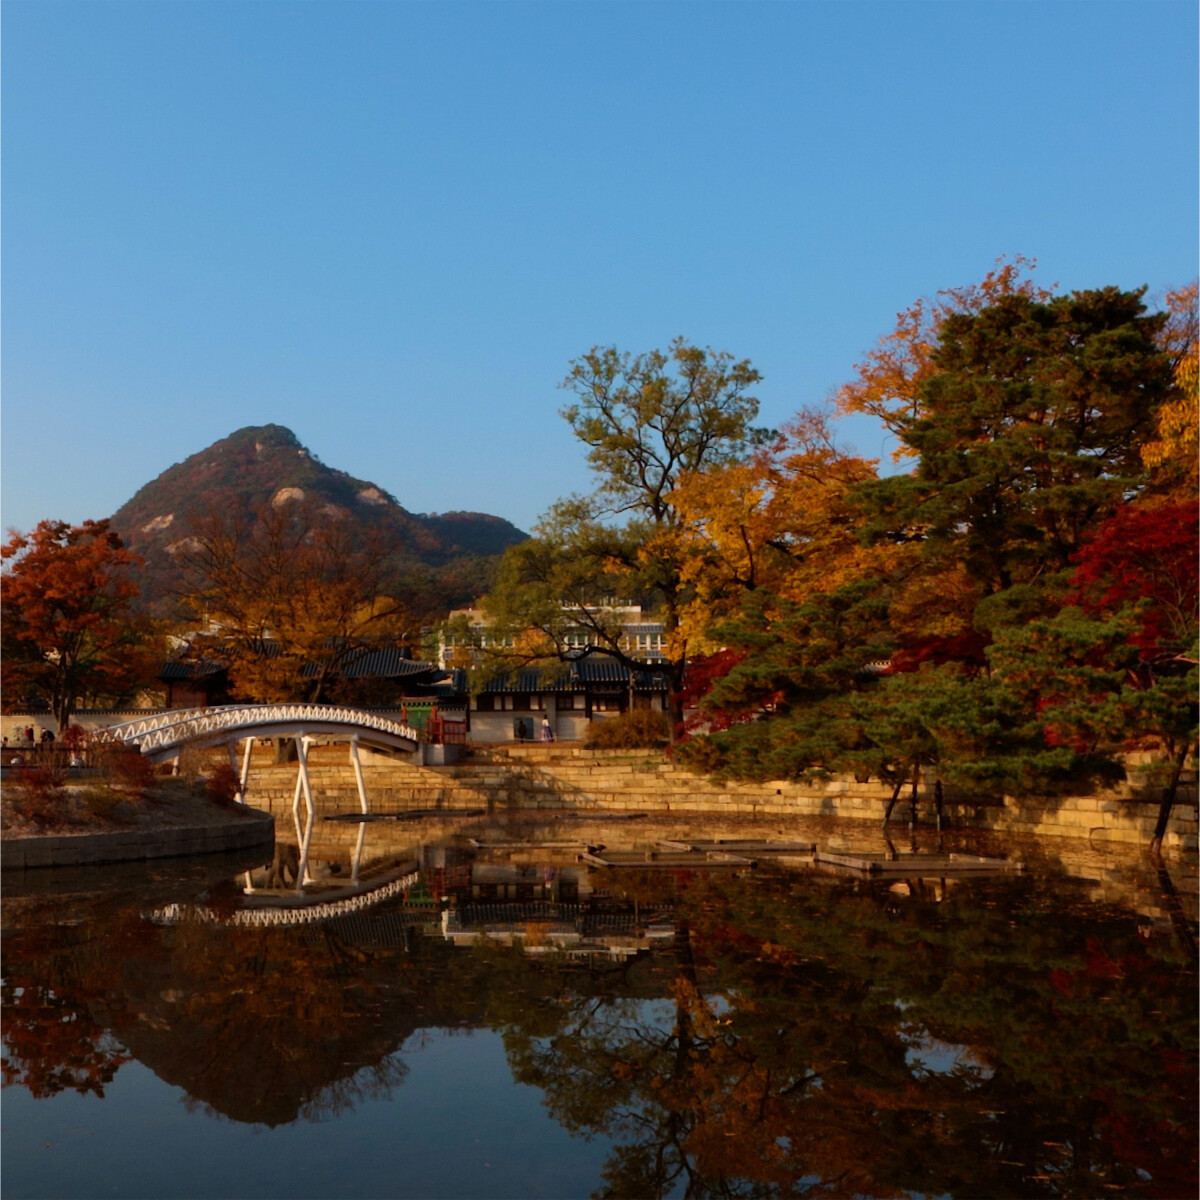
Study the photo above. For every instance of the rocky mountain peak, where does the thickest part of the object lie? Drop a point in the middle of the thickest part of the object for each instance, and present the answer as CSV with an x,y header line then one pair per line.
x,y
267,465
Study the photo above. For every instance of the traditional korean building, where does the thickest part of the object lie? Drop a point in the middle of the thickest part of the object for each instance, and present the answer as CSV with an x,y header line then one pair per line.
x,y
593,687
370,677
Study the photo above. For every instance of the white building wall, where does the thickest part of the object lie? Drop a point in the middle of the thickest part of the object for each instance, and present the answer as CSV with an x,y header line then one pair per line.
x,y
11,724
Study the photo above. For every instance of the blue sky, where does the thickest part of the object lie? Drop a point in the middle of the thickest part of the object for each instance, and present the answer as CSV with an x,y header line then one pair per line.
x,y
390,227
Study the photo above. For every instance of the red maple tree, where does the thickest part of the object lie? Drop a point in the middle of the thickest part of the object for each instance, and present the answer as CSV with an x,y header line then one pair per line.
x,y
1145,555
65,593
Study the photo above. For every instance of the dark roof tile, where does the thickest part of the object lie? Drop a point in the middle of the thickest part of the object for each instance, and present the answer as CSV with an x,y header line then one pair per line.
x,y
182,668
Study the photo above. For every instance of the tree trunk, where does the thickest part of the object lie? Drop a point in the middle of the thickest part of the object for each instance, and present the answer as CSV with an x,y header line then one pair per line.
x,y
674,701
674,717
62,707
1179,921
892,802
1168,801
676,669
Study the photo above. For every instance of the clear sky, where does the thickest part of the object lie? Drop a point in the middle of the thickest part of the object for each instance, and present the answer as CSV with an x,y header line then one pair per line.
x,y
391,226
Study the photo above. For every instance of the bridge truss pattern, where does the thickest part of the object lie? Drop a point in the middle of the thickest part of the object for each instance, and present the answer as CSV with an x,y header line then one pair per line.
x,y
287,915
163,737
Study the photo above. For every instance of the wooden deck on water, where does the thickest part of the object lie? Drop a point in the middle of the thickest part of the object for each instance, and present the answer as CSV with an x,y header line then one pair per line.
x,y
745,853
416,814
572,844
745,846
671,860
922,865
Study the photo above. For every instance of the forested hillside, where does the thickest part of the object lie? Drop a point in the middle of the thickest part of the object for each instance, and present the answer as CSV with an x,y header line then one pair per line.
x,y
445,557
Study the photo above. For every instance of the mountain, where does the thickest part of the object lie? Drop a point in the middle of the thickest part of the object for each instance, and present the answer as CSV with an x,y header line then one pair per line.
x,y
266,464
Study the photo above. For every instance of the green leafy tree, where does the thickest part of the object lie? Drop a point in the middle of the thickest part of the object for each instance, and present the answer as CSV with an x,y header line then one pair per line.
x,y
1028,433
647,420
789,702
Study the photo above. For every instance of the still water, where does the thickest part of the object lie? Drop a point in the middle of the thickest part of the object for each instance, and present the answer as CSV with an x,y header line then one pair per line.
x,y
506,1021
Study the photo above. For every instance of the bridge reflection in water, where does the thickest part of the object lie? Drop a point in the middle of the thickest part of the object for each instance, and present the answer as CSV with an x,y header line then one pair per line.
x,y
721,1034
164,736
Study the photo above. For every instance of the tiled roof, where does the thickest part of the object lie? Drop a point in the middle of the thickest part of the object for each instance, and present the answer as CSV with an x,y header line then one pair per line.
x,y
600,668
180,669
532,679
384,663
577,675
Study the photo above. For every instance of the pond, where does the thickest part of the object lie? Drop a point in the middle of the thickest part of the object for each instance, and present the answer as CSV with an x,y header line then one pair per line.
x,y
481,1014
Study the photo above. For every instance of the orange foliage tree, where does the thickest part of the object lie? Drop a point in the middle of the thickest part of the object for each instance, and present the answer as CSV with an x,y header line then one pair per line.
x,y
889,379
287,596
68,631
783,520
1173,455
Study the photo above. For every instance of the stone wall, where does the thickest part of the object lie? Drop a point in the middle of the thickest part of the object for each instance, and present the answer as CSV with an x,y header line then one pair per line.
x,y
559,777
531,795
72,850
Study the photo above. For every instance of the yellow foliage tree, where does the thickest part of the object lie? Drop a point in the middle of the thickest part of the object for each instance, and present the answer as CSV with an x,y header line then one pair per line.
x,y
1174,454
784,521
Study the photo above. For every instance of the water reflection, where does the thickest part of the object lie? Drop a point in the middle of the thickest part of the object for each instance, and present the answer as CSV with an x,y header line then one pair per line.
x,y
766,1032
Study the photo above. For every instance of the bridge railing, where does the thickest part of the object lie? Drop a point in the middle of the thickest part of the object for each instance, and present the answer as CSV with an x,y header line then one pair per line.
x,y
171,728
289,914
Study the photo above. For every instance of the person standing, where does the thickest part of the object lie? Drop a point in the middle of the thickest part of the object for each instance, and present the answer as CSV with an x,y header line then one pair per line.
x,y
547,732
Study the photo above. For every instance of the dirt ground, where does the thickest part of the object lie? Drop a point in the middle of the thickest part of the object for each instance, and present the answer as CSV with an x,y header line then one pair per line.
x,y
95,807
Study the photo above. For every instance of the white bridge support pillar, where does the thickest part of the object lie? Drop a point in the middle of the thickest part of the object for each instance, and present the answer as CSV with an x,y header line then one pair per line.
x,y
296,809
310,811
362,800
242,772
244,777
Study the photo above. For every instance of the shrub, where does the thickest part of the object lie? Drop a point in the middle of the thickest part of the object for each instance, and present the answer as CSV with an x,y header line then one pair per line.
x,y
129,769
39,795
191,763
102,802
701,755
223,783
40,784
639,729
75,737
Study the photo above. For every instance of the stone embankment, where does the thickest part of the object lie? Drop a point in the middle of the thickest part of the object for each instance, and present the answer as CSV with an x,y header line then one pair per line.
x,y
172,820
239,832
558,777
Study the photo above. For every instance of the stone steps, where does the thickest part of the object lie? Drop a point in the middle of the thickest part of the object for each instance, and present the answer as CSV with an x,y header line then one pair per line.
x,y
541,778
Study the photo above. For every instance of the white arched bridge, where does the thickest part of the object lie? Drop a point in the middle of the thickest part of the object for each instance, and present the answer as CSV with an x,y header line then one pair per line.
x,y
164,736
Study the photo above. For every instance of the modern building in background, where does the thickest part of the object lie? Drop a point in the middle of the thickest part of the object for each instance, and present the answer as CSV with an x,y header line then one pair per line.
x,y
641,639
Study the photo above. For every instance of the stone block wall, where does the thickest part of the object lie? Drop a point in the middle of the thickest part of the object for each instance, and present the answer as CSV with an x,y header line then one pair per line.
x,y
559,777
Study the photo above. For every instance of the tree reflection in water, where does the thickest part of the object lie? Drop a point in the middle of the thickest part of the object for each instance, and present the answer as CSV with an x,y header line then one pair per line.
x,y
789,1061
804,1035
262,1026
